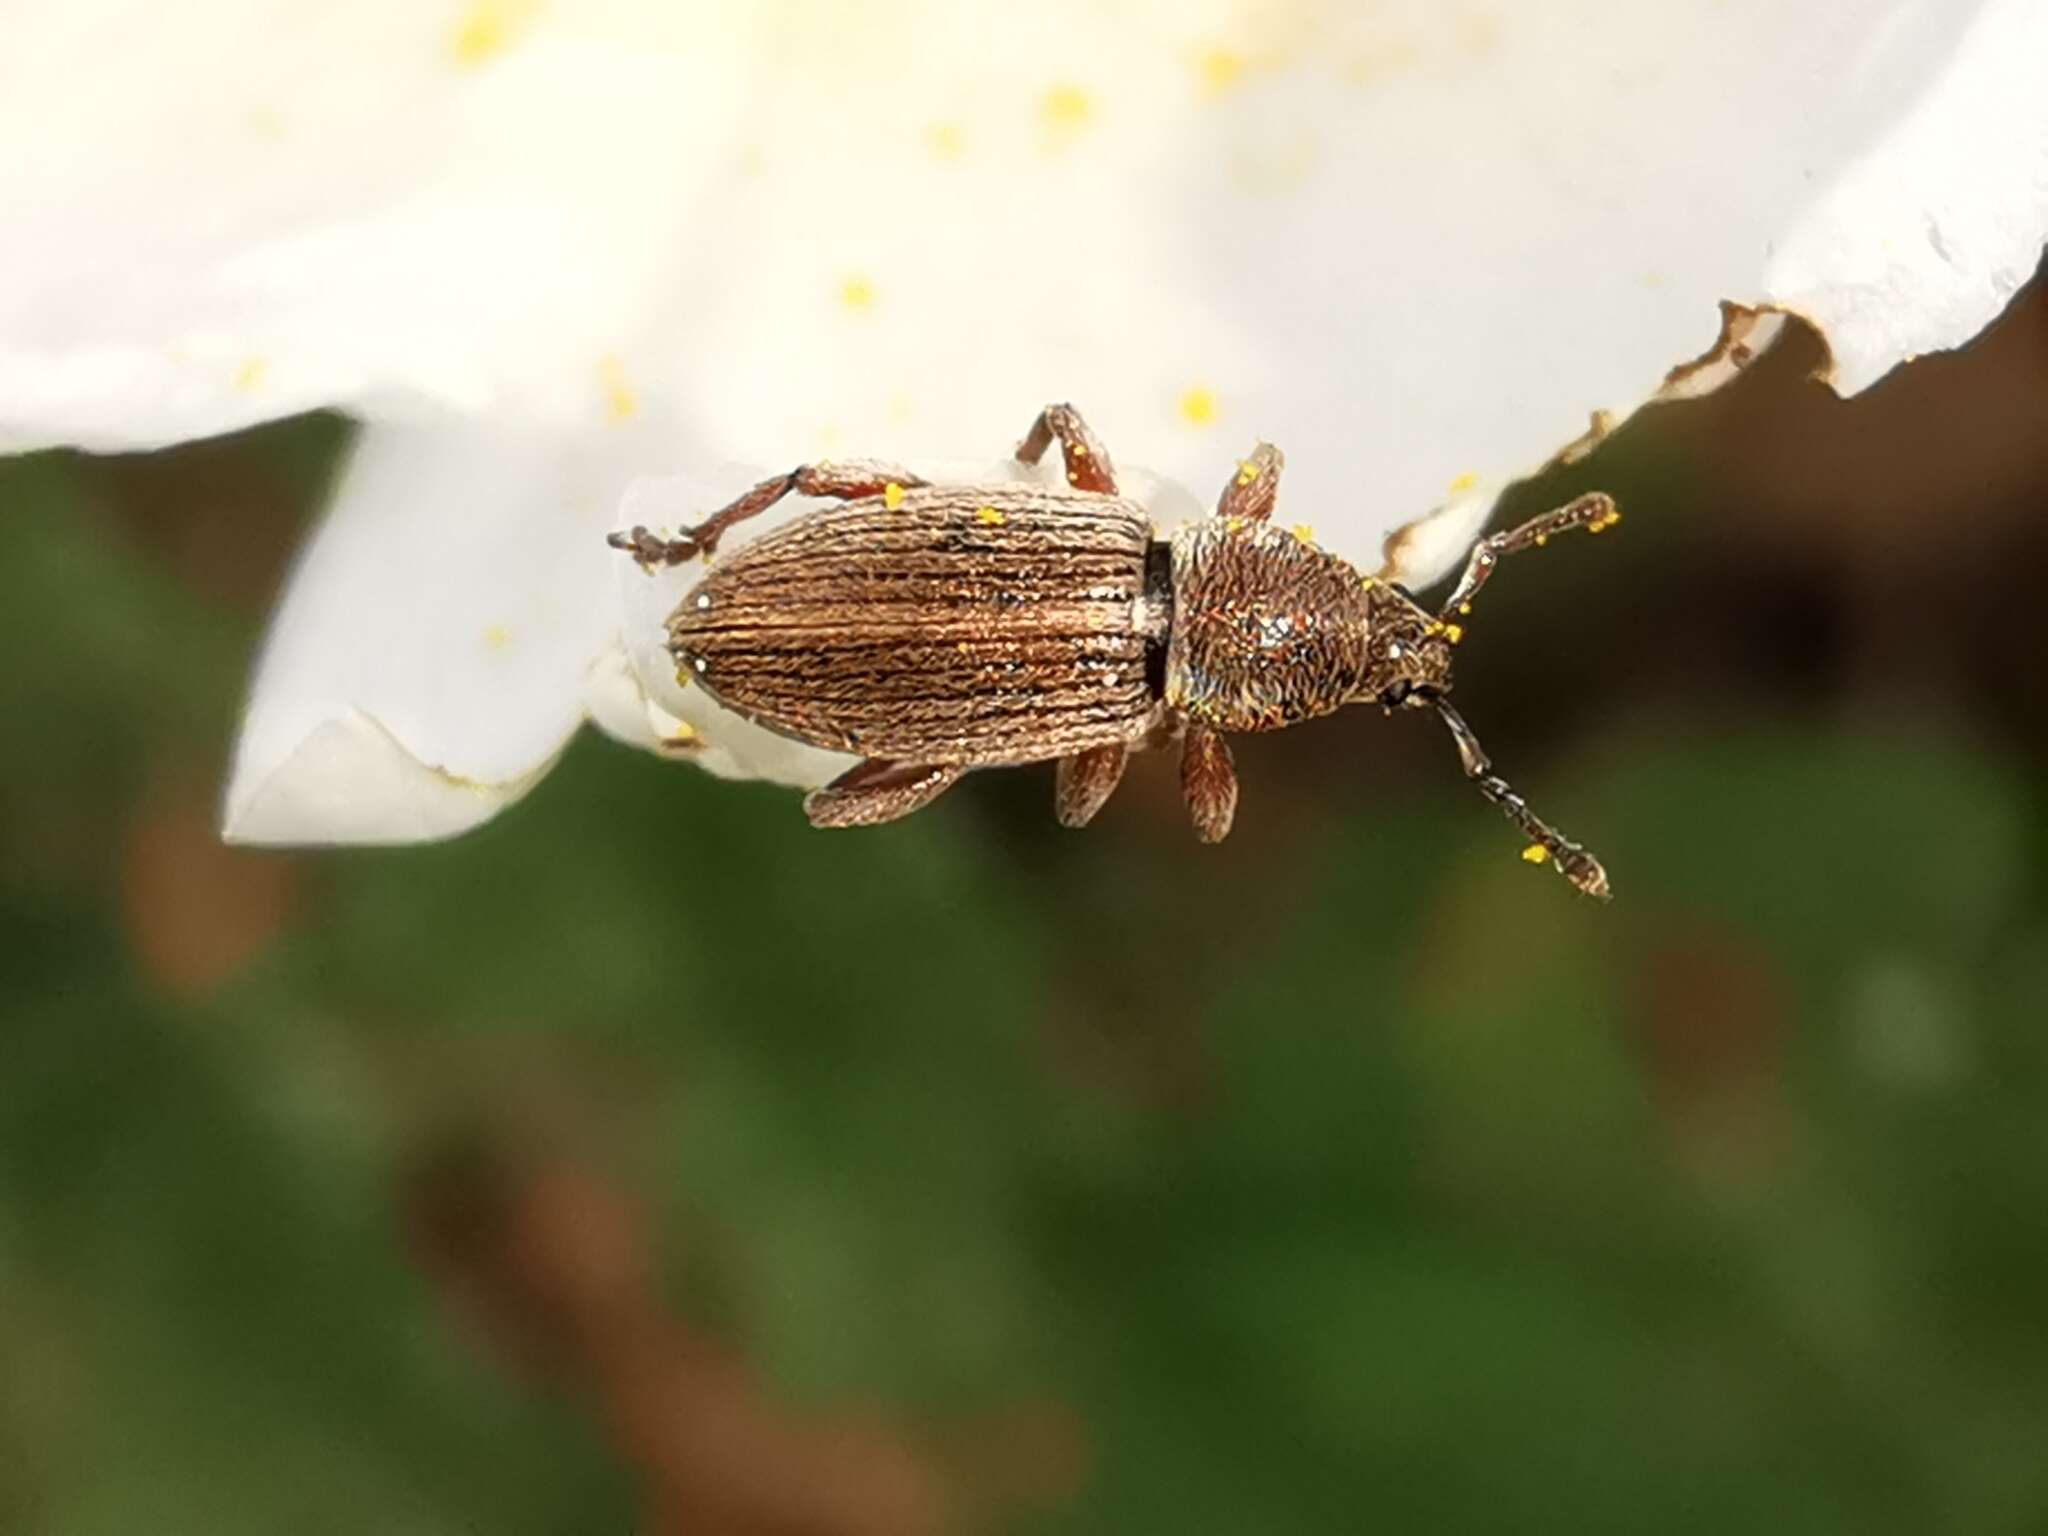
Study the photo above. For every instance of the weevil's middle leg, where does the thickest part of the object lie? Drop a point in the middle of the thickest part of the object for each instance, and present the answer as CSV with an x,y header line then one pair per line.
x,y
847,480
1595,513
1085,782
1545,841
1088,466
876,791
1254,487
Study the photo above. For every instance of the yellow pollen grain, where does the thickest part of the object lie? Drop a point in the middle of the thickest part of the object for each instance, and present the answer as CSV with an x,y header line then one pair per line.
x,y
684,735
1465,610
1303,533
1542,539
620,402
1463,483
856,293
1368,582
487,29
1535,853
1066,108
1247,472
1455,633
497,637
1220,69
1198,406
989,517
946,140
892,495
249,376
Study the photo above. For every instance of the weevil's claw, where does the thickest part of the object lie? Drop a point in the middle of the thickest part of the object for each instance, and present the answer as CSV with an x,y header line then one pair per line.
x,y
1585,873
653,553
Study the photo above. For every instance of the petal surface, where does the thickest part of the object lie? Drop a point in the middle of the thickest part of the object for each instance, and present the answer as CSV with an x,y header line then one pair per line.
x,y
438,632
1419,245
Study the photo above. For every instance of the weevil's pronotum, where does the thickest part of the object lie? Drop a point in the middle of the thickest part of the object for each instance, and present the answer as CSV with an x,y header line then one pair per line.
x,y
931,629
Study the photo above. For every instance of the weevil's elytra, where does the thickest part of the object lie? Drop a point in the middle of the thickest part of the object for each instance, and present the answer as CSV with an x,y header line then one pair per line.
x,y
936,628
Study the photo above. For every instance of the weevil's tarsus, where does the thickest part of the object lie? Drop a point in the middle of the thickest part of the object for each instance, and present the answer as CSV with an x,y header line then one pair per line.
x,y
1595,513
1085,781
1208,779
1249,494
844,480
1572,861
875,791
1087,461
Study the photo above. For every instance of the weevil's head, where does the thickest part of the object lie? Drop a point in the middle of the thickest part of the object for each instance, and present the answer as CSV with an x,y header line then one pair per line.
x,y
1408,659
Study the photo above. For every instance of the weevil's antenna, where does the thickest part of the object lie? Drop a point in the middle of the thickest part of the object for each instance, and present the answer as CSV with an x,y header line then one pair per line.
x,y
1546,843
1595,513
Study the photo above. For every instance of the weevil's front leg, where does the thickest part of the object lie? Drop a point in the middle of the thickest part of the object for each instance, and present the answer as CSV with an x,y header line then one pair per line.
x,y
848,480
1209,781
1546,843
1088,466
876,791
1085,782
1595,513
1250,495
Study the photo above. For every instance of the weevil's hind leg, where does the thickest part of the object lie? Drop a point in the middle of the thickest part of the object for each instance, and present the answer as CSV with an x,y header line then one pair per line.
x,y
1253,489
1546,843
876,791
1085,782
848,480
1088,466
1209,781
1595,513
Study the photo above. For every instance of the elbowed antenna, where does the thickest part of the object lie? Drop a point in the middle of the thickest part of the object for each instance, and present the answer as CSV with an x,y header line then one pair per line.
x,y
1545,841
1596,513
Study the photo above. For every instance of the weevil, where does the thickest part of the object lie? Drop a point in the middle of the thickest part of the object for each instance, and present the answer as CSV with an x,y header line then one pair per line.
x,y
930,629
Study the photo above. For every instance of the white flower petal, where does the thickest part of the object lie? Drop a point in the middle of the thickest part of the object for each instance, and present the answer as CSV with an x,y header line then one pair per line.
x,y
230,210
1418,245
451,603
1927,236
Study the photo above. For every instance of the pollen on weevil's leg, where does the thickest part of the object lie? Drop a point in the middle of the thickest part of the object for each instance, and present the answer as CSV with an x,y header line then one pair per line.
x,y
848,480
1086,780
876,791
1254,487
1088,466
1209,781
1546,843
1595,513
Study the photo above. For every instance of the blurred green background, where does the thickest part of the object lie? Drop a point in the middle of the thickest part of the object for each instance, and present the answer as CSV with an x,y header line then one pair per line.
x,y
647,1160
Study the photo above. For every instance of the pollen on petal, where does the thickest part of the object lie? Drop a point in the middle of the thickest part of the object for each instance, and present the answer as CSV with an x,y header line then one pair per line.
x,y
620,402
1463,483
1066,108
250,374
946,140
856,293
487,29
1198,407
892,495
1303,533
1220,69
497,637
1535,853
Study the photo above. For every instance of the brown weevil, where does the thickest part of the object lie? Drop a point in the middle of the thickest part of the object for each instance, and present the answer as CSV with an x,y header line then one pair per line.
x,y
930,629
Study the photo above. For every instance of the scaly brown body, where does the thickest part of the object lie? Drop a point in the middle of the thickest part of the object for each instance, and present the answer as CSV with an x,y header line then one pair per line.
x,y
969,625
933,629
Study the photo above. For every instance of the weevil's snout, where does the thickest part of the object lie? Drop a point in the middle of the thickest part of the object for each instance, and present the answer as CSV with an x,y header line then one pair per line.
x,y
1416,671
